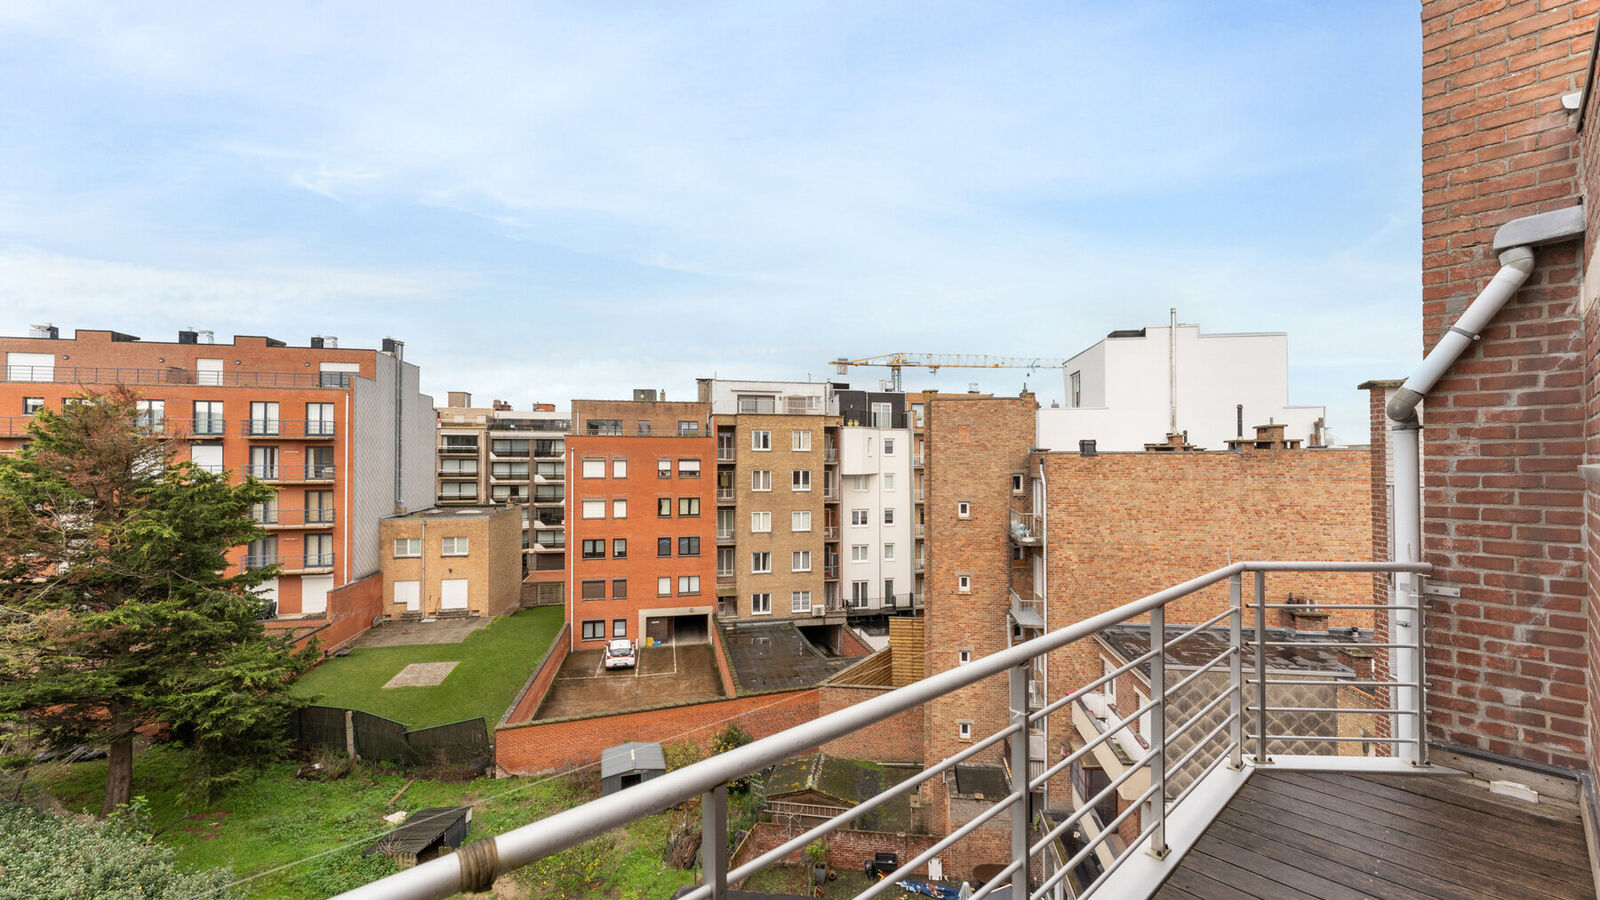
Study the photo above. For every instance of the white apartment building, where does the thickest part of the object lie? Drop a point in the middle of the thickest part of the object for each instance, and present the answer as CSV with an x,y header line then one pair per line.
x,y
1136,386
876,544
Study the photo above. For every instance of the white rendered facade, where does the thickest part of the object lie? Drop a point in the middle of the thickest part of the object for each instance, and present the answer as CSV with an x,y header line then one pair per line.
x,y
1119,391
875,484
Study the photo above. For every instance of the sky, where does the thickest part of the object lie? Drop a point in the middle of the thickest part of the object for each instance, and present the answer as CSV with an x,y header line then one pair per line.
x,y
548,201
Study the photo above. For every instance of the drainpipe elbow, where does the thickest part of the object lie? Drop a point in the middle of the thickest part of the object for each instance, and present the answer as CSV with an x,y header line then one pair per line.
x,y
1403,405
1519,258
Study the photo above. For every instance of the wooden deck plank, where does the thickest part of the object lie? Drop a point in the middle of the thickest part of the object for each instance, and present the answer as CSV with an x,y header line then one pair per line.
x,y
1289,835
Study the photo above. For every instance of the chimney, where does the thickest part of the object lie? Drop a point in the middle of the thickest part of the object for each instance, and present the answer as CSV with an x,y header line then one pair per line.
x,y
316,342
1359,660
390,346
1086,448
1306,618
500,406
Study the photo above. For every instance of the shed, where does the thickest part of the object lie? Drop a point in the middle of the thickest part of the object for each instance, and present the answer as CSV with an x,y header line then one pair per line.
x,y
425,835
626,765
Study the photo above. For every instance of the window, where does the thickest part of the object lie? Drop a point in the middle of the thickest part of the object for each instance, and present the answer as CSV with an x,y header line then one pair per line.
x,y
688,585
404,547
800,480
687,427
882,415
888,481
619,588
963,657
888,515
550,470
800,520
619,628
761,604
501,493
644,426
208,419
151,414
619,548
799,601
619,467
800,440
1110,687
688,468
1016,484
858,552
964,584
604,426
859,518
757,403
888,446
509,470
761,522
619,509
858,595
592,590
761,563
263,417
31,405
453,546
319,420
963,509
964,731
594,549
689,507
663,507
594,630
594,468
663,468
663,546
688,546
888,591
594,509
319,507
888,553
451,490
761,440
761,480
664,586
504,447
725,561
858,483
800,561
1075,399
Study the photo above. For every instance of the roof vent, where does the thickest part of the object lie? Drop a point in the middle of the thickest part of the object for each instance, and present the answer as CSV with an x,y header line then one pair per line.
x,y
1087,448
188,337
324,341
206,336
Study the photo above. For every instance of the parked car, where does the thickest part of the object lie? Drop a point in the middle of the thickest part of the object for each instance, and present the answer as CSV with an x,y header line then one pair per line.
x,y
620,654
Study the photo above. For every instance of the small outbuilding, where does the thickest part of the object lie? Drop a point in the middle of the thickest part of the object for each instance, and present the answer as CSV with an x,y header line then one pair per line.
x,y
626,765
425,835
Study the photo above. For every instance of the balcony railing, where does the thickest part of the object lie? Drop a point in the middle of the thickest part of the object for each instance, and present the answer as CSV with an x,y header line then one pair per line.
x,y
560,426
310,562
1175,796
830,533
458,473
724,495
919,530
830,454
724,454
919,495
172,375
724,535
310,429
291,474
1029,612
917,459
725,578
468,449
1027,529
830,570
15,426
294,518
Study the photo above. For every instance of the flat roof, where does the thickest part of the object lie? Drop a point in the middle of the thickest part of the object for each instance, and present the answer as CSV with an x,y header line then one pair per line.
x,y
457,512
775,656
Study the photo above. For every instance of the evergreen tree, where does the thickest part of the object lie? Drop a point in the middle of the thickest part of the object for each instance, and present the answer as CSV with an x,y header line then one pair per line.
x,y
115,612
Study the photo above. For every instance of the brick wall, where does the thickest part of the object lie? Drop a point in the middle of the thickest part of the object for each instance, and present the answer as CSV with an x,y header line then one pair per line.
x,y
724,667
896,739
351,609
1504,429
847,849
527,702
547,746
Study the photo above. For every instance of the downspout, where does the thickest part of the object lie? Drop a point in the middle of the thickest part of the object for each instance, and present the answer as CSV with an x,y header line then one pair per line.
x,y
1515,240
1044,594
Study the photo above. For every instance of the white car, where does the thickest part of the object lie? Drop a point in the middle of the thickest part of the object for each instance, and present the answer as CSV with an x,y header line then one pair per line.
x,y
620,654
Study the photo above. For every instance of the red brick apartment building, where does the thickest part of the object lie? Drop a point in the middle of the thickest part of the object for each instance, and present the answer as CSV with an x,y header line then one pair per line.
x,y
641,514
342,433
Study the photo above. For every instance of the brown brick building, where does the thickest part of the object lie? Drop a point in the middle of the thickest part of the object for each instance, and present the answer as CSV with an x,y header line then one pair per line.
x,y
452,561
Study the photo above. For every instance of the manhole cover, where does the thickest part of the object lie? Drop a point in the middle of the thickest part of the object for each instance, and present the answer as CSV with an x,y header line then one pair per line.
x,y
421,675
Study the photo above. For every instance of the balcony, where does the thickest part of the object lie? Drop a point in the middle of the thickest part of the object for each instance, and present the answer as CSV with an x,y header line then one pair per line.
x,y
281,519
724,495
509,454
725,578
308,564
290,474
724,535
1027,613
550,546
917,460
919,530
724,454
15,426
830,455
917,565
556,426
1306,823
919,495
471,475
171,375
830,532
458,449
287,429
830,571
542,498
830,493
1027,529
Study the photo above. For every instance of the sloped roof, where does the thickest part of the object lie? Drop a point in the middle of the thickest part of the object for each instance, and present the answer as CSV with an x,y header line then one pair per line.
x,y
634,756
424,828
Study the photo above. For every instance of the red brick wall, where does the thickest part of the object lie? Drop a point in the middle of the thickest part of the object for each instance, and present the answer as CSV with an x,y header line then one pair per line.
x,y
351,609
1504,429
724,667
852,646
896,739
527,702
546,746
847,849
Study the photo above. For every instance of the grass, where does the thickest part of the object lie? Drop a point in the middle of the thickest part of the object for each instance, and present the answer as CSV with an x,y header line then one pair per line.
x,y
278,819
495,661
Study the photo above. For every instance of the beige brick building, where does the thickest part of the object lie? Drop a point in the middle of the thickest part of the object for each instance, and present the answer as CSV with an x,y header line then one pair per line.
x,y
451,561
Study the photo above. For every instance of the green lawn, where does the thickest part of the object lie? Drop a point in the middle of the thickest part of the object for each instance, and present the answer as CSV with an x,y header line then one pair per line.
x,y
495,661
278,819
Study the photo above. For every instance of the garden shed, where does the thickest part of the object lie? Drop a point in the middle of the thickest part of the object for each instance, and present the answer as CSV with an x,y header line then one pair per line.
x,y
626,765
426,834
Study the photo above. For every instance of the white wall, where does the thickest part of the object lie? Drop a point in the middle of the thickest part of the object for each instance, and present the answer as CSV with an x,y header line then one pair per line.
x,y
1214,373
724,394
861,453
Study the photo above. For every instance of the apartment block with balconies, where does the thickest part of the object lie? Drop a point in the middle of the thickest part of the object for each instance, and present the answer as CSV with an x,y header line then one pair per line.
x,y
330,428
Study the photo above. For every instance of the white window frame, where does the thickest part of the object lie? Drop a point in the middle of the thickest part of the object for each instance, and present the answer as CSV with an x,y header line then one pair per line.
x,y
761,440
888,552
963,509
888,446
888,481
619,467
619,508
664,586
594,509
800,561
799,601
760,521
800,440
1016,483
761,479
761,604
963,731
859,483
689,468
963,656
888,515
411,550
860,518
758,559
1109,689
800,480
860,553
800,520
594,467
453,546
963,584
688,585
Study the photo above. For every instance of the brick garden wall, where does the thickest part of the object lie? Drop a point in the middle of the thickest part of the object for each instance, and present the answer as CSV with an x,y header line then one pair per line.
x,y
1503,432
527,703
897,739
846,849
351,609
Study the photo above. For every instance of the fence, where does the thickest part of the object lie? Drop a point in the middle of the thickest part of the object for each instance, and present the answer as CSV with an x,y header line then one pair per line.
x,y
376,738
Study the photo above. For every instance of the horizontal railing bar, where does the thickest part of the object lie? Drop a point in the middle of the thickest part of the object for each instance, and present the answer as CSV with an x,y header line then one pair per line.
x,y
1200,745
1089,804
441,877
1342,740
1056,705
1327,606
1340,709
866,806
1201,627
999,880
1338,645
1204,669
1335,682
1101,738
1106,830
890,881
1200,714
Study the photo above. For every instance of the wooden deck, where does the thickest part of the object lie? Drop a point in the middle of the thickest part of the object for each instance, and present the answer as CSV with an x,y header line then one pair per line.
x,y
1293,835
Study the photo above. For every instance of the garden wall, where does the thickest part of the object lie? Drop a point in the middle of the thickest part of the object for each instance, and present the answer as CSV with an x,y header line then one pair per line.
x,y
538,684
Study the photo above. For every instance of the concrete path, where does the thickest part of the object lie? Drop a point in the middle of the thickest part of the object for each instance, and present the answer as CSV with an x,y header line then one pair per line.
x,y
402,634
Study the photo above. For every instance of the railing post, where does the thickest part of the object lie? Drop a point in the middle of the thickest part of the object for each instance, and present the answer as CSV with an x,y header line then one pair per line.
x,y
1261,669
1236,671
714,840
1019,778
1419,620
1158,730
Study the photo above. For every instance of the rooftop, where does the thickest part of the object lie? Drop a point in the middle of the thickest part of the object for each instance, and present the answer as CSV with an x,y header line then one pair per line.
x,y
775,656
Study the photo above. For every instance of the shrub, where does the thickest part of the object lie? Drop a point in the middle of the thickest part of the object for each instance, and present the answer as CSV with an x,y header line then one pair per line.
x,y
54,857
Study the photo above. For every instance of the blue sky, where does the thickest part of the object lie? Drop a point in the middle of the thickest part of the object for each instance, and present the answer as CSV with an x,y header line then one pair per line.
x,y
556,200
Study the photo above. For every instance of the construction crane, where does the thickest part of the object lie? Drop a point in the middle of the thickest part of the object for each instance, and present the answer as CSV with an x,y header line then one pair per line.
x,y
933,362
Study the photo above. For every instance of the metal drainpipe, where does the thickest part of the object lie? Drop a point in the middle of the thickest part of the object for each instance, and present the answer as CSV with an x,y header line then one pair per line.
x,y
1044,611
399,439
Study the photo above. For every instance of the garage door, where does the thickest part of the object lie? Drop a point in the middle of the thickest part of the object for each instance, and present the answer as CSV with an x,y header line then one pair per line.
x,y
409,593
314,593
453,593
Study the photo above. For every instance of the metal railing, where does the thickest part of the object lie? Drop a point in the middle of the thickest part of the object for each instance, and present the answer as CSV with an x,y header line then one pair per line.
x,y
830,532
724,494
294,518
1171,782
1026,529
15,426
313,429
459,448
280,474
560,426
173,375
